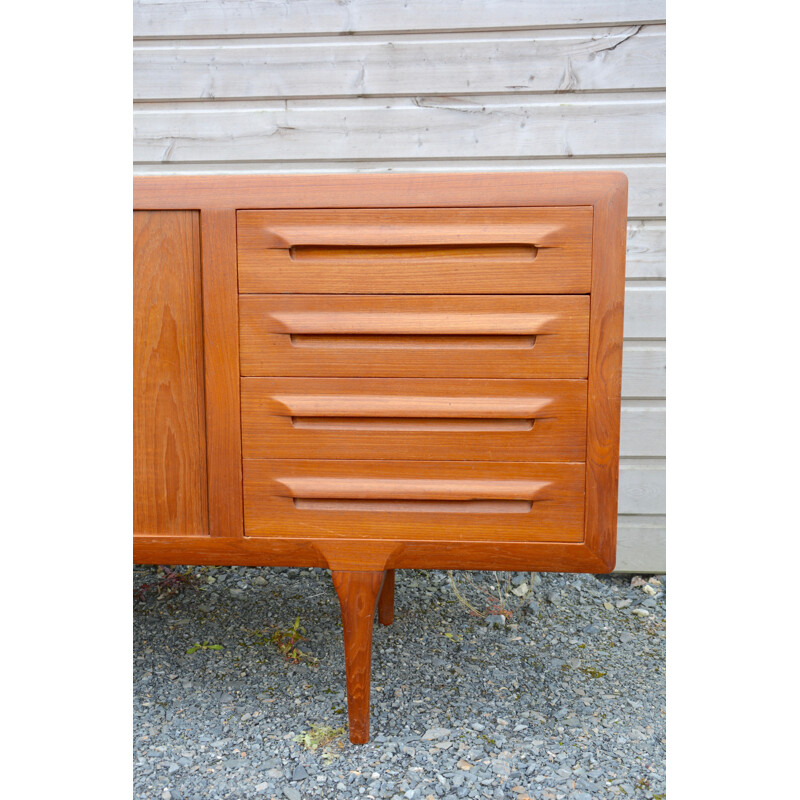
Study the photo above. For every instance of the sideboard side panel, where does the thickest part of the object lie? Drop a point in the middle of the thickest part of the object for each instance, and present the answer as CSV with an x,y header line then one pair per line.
x,y
169,438
605,370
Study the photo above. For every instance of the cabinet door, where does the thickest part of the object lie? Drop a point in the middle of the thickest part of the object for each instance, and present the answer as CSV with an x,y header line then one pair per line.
x,y
169,451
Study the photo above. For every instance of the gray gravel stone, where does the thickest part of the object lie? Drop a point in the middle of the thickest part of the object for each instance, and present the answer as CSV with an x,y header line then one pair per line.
x,y
435,733
566,677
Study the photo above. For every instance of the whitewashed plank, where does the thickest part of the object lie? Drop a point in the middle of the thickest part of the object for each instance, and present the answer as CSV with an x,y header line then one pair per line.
x,y
642,428
584,59
646,256
426,127
646,176
173,18
641,545
642,486
644,369
645,310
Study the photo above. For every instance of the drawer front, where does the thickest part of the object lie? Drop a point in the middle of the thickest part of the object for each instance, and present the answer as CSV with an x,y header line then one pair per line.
x,y
415,336
494,502
414,419
416,251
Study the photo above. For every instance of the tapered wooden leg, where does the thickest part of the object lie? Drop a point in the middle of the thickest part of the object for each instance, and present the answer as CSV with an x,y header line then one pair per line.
x,y
386,600
358,595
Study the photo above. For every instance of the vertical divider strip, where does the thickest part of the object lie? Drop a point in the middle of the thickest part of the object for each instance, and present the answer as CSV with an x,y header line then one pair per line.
x,y
221,350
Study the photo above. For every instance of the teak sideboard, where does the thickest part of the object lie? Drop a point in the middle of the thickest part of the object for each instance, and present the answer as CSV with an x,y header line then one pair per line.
x,y
374,372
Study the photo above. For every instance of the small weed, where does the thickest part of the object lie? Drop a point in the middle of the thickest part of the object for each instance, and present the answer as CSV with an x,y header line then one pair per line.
x,y
592,672
642,783
494,597
171,584
457,637
286,640
322,736
204,646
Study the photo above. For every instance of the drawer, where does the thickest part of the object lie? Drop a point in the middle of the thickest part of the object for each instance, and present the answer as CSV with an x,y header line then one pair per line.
x,y
490,336
416,251
351,499
420,419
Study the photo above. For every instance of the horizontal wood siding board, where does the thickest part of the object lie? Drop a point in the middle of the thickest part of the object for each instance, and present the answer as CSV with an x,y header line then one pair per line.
x,y
646,176
611,124
645,310
643,428
584,59
646,253
644,369
641,545
642,486
171,18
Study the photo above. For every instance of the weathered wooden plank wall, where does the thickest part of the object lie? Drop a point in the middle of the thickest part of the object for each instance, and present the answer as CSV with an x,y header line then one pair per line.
x,y
376,85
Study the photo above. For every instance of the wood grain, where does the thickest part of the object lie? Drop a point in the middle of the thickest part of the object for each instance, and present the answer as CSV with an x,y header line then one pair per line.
x,y
646,175
643,426
644,369
221,332
359,554
406,500
475,126
358,595
408,251
645,310
386,599
642,486
641,544
605,371
169,456
302,17
490,336
584,59
414,418
392,190
646,253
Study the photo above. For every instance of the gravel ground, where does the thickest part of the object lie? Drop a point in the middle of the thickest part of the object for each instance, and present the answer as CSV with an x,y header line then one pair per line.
x,y
566,699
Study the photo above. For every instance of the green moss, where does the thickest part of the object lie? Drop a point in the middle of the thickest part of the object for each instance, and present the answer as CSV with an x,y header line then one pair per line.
x,y
592,672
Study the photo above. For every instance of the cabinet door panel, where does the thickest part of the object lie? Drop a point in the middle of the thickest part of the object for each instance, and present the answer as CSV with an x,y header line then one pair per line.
x,y
169,450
